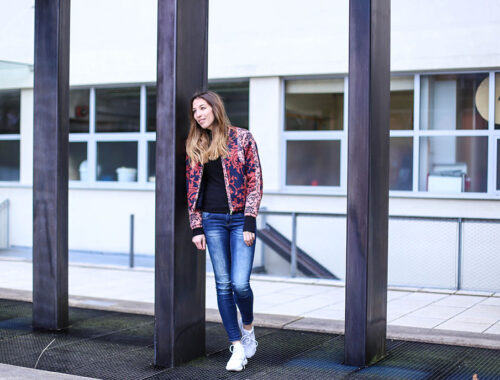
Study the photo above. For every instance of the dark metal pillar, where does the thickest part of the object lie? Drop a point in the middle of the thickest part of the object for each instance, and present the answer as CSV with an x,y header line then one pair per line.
x,y
180,270
50,166
368,181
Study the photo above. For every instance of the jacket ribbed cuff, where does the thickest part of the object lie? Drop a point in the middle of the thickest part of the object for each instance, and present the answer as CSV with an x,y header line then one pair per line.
x,y
250,224
198,231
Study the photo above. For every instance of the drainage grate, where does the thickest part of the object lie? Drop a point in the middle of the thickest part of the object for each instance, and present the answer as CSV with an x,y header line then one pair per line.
x,y
110,345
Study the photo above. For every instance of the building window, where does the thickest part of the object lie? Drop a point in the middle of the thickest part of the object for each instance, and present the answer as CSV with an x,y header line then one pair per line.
x,y
113,131
106,134
10,114
450,164
401,131
498,165
78,161
496,93
401,163
448,102
314,105
314,132
151,161
117,109
117,161
79,109
235,96
454,133
313,163
444,136
151,109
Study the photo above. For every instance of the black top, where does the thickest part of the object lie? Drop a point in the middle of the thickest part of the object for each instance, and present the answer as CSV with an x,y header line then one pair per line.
x,y
214,189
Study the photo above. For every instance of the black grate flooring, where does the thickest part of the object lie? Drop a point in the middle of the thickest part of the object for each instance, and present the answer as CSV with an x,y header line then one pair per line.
x,y
109,345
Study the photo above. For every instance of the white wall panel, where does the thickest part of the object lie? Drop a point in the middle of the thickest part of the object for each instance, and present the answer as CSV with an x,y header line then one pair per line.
x,y
114,41
100,220
265,124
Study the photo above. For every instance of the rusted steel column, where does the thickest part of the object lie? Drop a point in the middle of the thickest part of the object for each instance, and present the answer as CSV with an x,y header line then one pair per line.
x,y
50,166
368,181
179,268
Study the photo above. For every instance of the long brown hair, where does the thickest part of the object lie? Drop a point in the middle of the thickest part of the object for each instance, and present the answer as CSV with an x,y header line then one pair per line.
x,y
199,147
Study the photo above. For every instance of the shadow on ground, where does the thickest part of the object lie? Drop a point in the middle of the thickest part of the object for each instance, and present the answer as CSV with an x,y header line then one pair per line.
x,y
110,345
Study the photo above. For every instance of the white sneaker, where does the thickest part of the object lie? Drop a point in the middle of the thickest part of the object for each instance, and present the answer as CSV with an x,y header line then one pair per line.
x,y
248,340
238,359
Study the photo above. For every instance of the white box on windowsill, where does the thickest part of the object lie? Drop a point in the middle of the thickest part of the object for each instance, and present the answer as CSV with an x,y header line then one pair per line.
x,y
445,184
126,174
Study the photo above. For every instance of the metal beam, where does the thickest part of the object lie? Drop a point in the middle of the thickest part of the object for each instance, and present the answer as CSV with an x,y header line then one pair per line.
x,y
180,270
368,181
50,166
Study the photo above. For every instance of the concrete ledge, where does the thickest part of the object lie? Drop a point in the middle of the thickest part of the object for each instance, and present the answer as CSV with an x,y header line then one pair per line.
x,y
10,372
414,334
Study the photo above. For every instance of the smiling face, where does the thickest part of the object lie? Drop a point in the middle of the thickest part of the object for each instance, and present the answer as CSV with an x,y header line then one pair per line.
x,y
203,113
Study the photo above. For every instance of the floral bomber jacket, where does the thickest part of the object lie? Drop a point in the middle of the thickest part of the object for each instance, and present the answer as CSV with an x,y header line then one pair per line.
x,y
242,177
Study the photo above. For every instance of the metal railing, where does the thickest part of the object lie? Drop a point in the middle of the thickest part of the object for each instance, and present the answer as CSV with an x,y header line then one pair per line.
x,y
441,252
4,224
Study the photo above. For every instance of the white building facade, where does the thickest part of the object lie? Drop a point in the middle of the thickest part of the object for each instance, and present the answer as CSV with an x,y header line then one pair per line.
x,y
281,67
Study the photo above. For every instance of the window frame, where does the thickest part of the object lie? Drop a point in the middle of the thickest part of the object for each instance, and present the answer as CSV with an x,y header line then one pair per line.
x,y
490,133
416,134
14,136
314,136
92,138
142,137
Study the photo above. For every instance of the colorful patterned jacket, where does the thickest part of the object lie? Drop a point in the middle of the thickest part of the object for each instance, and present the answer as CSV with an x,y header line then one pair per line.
x,y
242,177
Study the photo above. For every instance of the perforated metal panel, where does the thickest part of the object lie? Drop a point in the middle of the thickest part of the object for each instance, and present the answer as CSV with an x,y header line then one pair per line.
x,y
423,252
481,255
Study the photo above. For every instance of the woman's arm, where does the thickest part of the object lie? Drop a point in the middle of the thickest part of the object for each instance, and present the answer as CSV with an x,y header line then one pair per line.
x,y
195,218
254,185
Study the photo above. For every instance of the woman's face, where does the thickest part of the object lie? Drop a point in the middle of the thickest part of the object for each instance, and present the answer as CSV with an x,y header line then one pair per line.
x,y
202,113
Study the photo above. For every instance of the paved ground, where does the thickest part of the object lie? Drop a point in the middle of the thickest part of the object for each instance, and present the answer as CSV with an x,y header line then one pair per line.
x,y
303,300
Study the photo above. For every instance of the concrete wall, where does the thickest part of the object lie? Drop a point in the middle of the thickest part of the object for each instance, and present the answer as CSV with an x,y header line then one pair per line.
x,y
114,41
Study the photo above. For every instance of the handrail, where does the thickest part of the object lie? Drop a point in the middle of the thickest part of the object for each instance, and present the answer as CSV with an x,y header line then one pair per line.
x,y
459,220
339,215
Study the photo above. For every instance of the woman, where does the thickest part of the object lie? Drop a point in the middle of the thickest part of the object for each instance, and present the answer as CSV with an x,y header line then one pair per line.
x,y
224,182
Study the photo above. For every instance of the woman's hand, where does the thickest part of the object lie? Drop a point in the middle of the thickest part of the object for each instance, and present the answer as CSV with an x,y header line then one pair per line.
x,y
199,241
248,237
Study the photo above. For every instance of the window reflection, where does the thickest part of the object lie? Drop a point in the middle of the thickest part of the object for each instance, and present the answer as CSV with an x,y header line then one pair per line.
x,y
151,108
314,105
450,102
117,161
313,163
77,167
498,164
79,111
151,161
118,110
235,96
450,164
401,163
497,101
10,112
401,109
9,160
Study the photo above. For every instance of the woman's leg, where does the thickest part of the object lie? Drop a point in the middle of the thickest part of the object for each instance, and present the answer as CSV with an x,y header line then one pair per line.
x,y
217,234
241,267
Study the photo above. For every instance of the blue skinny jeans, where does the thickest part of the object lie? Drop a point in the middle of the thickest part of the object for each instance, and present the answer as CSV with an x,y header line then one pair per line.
x,y
232,261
